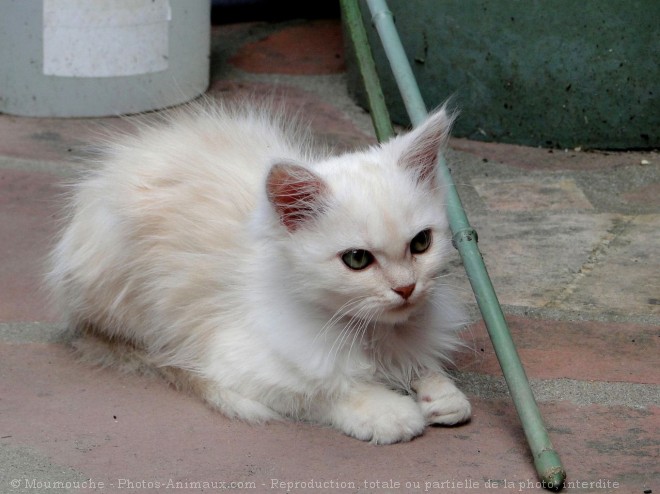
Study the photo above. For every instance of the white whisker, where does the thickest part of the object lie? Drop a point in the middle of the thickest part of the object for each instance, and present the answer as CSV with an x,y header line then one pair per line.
x,y
338,315
346,331
364,326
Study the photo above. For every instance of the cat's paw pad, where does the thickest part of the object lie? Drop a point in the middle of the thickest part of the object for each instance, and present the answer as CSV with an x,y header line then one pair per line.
x,y
397,424
391,418
446,406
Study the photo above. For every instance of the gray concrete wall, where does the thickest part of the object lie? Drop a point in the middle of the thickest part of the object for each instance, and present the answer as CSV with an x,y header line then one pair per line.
x,y
558,73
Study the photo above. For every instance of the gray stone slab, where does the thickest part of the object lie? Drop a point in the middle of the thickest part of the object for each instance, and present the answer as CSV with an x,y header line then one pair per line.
x,y
605,265
546,193
626,276
580,393
532,257
33,332
23,469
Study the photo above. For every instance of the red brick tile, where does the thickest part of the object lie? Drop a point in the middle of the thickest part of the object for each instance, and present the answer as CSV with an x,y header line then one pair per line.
x,y
110,426
27,226
52,139
584,350
606,443
310,49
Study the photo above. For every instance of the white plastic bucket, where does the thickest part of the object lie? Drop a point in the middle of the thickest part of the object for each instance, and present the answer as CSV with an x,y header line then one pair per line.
x,y
85,58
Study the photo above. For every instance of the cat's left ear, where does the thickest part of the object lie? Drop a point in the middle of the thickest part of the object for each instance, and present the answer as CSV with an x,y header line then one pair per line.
x,y
296,193
423,143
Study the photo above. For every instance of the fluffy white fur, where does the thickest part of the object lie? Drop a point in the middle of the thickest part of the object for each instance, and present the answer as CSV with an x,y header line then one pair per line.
x,y
210,248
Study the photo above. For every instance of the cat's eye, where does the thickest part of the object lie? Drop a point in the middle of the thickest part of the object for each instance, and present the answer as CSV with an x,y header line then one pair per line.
x,y
357,259
421,242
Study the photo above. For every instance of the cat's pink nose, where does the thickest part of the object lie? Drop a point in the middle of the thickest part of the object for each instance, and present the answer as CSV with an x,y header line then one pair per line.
x,y
405,291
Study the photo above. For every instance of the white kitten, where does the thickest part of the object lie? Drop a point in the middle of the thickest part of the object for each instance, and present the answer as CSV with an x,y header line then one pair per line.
x,y
274,282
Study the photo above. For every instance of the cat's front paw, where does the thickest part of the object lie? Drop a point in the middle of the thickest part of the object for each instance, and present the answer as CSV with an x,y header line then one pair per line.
x,y
380,416
442,402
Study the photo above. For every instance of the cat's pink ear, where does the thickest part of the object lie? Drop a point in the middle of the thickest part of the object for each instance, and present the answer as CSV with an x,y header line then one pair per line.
x,y
296,193
423,143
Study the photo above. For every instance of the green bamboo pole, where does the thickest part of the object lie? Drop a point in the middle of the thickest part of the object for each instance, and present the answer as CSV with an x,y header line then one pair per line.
x,y
357,33
546,460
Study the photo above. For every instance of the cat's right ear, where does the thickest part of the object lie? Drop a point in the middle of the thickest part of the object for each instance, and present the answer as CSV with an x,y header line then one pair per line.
x,y
423,143
296,193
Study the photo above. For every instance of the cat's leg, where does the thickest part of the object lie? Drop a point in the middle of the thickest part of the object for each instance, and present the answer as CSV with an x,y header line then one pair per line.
x,y
234,405
441,401
373,413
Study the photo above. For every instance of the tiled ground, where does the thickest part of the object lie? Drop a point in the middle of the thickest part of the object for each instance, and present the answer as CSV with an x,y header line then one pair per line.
x,y
571,240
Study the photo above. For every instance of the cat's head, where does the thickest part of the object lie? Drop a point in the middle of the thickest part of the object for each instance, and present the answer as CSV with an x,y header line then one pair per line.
x,y
364,234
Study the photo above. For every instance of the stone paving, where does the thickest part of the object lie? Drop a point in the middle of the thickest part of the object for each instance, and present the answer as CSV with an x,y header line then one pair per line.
x,y
571,239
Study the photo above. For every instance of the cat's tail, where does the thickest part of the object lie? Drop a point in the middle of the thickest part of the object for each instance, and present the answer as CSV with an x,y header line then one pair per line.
x,y
99,350
102,351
